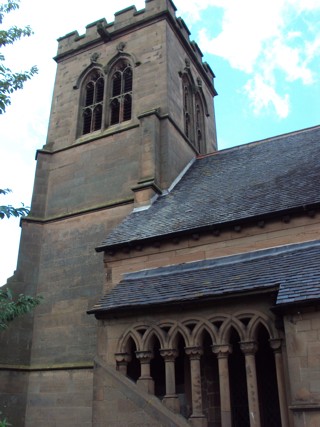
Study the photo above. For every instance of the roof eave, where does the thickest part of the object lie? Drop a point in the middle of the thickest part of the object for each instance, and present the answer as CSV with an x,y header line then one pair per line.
x,y
101,313
295,307
222,225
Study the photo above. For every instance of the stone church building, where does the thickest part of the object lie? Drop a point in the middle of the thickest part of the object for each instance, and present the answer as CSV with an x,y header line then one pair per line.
x,y
180,284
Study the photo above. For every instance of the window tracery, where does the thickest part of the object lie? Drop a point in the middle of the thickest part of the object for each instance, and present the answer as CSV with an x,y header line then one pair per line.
x,y
188,108
92,105
105,101
193,112
199,123
121,92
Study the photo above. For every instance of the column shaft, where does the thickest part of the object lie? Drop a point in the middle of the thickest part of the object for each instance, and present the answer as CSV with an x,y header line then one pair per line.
x,y
145,381
171,399
222,352
197,418
249,349
276,346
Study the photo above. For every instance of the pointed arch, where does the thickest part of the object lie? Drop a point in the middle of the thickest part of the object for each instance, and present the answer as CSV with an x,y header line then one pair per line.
x,y
197,333
91,100
149,335
86,72
123,342
131,58
120,87
181,330
188,107
225,330
255,324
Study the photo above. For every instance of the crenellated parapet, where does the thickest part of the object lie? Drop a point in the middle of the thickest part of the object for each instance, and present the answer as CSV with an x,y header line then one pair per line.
x,y
125,20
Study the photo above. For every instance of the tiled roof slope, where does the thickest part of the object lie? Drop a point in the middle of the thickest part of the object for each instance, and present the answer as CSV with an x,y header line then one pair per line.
x,y
294,269
255,179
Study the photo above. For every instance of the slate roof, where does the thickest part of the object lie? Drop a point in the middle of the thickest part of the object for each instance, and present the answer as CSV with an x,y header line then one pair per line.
x,y
265,177
294,269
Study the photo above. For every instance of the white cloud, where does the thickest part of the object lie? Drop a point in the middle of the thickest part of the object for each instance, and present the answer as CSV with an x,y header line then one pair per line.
x,y
191,9
259,38
262,96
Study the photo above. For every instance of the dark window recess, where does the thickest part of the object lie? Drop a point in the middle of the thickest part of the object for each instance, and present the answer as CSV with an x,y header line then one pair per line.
x,y
116,86
127,107
193,115
199,125
87,117
100,90
115,111
187,124
97,117
127,77
89,94
188,109
92,109
121,99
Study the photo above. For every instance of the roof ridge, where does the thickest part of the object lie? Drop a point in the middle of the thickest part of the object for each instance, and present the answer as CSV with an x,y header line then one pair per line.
x,y
258,141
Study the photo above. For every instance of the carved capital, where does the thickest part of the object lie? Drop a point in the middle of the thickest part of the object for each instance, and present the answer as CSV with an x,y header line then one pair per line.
x,y
249,347
144,356
222,351
169,354
194,352
123,358
276,344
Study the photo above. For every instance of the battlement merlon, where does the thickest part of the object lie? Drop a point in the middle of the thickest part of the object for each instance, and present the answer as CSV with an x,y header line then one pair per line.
x,y
101,31
123,19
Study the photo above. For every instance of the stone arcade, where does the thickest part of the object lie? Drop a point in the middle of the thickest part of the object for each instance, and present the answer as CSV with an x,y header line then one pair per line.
x,y
205,311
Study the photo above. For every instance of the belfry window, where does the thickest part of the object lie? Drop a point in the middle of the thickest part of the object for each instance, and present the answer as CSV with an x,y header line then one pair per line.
x,y
121,93
92,106
199,124
188,109
193,113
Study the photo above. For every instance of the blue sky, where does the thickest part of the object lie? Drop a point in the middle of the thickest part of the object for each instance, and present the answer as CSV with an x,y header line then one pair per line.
x,y
265,54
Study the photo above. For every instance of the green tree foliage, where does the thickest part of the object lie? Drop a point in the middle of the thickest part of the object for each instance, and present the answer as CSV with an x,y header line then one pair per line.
x,y
11,308
4,422
11,81
6,211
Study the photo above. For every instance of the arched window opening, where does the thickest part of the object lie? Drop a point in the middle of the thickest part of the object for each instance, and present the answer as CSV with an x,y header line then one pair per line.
x,y
183,379
158,370
238,384
210,383
267,381
199,124
92,106
188,109
121,93
193,113
133,369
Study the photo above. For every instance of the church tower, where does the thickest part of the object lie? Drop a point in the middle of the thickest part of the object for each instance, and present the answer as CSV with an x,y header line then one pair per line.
x,y
132,107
